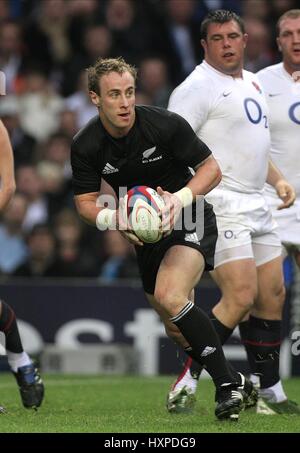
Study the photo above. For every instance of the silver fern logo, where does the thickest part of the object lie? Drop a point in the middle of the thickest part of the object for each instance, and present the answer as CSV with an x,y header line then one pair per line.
x,y
2,83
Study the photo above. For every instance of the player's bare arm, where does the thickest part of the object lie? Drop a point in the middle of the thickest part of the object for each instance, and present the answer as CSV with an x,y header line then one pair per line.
x,y
207,176
284,190
8,185
92,214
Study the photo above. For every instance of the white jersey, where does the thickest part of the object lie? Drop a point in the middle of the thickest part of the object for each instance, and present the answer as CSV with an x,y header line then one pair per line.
x,y
283,97
230,116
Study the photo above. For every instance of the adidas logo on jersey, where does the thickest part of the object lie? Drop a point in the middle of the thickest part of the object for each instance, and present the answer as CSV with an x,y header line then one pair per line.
x,y
109,169
191,237
207,351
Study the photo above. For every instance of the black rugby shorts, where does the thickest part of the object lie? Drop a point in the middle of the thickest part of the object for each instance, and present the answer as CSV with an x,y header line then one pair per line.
x,y
150,255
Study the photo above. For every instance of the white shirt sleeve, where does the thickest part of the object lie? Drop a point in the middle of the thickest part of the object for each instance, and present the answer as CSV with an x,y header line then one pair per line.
x,y
192,102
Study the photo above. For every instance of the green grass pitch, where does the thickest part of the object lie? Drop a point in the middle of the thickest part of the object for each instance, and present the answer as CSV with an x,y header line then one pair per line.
x,y
131,404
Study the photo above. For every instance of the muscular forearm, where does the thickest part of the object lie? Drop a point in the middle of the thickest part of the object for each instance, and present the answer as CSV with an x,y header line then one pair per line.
x,y
274,175
207,177
93,213
284,190
87,208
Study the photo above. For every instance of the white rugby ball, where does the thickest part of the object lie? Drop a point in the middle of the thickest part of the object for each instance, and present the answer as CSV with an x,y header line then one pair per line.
x,y
143,205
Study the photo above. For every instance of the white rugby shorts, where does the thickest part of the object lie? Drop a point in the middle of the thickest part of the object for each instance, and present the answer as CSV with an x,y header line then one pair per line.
x,y
246,228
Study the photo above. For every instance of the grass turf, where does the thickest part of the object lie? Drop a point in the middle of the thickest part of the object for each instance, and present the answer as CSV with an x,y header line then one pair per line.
x,y
77,404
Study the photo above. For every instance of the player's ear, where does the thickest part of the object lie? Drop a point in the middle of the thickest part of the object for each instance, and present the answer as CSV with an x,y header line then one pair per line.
x,y
204,44
95,98
245,39
278,44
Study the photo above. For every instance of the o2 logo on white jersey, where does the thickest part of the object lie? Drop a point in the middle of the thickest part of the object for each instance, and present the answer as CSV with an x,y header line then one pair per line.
x,y
254,112
292,113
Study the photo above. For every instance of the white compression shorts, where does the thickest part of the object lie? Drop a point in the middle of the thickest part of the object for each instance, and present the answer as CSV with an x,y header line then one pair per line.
x,y
246,228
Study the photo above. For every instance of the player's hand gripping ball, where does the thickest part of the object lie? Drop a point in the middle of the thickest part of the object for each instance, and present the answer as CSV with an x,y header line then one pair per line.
x,y
143,206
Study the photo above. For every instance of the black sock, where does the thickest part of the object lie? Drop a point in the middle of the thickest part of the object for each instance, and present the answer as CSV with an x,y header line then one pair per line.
x,y
198,330
223,333
264,344
244,329
8,325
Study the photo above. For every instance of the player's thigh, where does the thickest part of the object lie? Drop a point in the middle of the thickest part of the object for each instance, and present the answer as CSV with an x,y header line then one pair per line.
x,y
237,279
179,271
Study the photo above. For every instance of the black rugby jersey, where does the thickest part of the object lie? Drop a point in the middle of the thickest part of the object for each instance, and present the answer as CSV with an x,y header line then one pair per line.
x,y
157,151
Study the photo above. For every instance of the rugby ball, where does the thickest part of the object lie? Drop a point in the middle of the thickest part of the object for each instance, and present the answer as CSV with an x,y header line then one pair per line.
x,y
143,205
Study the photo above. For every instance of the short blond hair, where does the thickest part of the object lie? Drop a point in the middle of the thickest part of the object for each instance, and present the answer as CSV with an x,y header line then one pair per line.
x,y
104,66
291,14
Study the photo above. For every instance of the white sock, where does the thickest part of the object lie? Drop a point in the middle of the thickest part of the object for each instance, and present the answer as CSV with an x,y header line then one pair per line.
x,y
274,394
16,360
186,380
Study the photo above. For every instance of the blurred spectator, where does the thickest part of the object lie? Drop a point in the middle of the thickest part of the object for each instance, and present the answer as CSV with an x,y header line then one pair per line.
x,y
23,144
281,6
68,123
54,186
256,9
98,43
154,81
57,149
12,245
73,259
11,54
83,14
134,35
40,107
46,35
258,54
142,98
80,102
121,259
30,185
41,249
4,11
182,38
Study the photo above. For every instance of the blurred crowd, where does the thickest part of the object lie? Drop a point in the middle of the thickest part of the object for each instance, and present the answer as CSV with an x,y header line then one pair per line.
x,y
45,47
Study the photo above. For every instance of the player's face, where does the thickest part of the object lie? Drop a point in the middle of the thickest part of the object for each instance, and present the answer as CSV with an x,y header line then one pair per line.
x,y
116,102
289,43
224,47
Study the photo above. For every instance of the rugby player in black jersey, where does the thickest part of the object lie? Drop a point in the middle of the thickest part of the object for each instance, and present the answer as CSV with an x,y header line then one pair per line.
x,y
129,145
